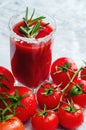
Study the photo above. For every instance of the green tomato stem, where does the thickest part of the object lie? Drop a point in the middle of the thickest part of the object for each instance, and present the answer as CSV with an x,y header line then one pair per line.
x,y
64,89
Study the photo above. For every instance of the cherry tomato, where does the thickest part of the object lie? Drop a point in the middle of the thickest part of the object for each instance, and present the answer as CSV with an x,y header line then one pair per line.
x,y
12,124
23,103
70,117
43,120
26,103
77,91
62,70
83,73
48,94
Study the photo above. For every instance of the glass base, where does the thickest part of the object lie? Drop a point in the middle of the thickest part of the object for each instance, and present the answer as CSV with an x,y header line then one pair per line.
x,y
17,83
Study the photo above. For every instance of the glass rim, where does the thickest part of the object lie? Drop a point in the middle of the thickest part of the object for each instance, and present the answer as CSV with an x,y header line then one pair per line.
x,y
31,40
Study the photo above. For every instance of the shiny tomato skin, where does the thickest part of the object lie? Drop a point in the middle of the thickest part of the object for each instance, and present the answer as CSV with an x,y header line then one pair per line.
x,y
12,124
83,73
79,99
70,120
60,76
29,103
46,122
8,80
51,101
7,73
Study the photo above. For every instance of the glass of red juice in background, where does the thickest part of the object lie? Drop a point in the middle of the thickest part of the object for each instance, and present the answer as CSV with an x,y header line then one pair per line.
x,y
31,57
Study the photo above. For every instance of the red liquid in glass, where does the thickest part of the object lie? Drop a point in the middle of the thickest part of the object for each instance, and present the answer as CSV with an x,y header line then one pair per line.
x,y
31,62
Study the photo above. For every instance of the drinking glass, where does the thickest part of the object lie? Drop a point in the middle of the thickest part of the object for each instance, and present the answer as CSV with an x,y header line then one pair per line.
x,y
31,58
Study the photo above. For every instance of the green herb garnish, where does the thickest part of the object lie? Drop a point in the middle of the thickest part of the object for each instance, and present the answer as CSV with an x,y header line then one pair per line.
x,y
32,26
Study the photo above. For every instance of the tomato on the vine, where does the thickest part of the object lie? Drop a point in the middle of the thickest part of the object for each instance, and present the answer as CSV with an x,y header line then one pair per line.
x,y
22,103
62,70
45,120
77,92
48,94
70,116
25,102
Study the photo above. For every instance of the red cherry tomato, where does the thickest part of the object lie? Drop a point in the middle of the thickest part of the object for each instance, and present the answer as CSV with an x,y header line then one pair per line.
x,y
45,120
28,103
23,103
77,91
12,124
70,117
48,94
62,70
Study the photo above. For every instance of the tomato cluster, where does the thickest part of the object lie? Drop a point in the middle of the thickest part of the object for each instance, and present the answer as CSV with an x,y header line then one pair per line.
x,y
60,100
17,103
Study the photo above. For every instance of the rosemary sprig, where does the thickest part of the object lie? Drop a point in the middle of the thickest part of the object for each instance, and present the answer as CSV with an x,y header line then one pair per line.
x,y
32,26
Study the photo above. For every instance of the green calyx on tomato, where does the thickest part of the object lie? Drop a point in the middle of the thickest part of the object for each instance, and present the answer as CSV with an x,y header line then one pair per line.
x,y
4,86
5,118
49,91
43,112
3,111
75,90
64,68
16,100
70,108
2,76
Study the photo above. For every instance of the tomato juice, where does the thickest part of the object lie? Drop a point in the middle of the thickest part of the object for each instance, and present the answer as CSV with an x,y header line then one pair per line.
x,y
31,58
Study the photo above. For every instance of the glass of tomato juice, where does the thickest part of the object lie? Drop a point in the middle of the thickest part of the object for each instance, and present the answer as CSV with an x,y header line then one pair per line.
x,y
31,57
